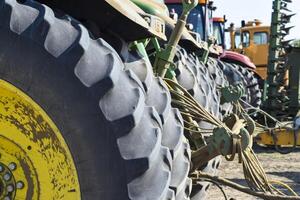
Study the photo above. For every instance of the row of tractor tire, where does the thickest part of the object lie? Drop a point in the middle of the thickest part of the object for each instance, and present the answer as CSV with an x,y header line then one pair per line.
x,y
126,139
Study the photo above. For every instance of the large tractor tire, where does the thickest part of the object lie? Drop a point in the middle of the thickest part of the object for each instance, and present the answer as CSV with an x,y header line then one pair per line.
x,y
235,77
237,73
157,95
196,79
253,86
191,75
74,124
220,80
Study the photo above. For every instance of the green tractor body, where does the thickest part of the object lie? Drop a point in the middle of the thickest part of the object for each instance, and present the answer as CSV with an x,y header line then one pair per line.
x,y
113,16
153,7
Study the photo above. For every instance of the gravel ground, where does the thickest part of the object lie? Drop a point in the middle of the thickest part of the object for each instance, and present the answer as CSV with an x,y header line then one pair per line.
x,y
285,168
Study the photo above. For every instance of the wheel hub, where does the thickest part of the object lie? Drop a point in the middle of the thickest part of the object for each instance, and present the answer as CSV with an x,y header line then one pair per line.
x,y
35,161
17,180
8,183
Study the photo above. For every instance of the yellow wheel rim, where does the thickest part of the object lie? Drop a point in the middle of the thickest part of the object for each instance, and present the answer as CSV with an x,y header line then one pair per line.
x,y
35,161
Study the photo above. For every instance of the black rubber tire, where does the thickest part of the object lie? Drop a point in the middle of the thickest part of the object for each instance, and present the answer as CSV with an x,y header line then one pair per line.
x,y
235,77
237,73
216,69
196,78
253,86
191,77
157,95
114,137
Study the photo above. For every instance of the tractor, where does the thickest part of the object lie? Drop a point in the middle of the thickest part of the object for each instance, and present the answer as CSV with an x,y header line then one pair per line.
x,y
219,30
254,45
85,113
276,69
116,100
236,67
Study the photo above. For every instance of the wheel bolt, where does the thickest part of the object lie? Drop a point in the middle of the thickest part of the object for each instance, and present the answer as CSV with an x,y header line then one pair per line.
x,y
10,188
12,166
6,177
20,185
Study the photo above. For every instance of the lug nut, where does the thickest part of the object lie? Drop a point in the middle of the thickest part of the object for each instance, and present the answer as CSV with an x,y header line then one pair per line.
x,y
12,166
147,19
6,198
10,188
1,168
20,185
6,177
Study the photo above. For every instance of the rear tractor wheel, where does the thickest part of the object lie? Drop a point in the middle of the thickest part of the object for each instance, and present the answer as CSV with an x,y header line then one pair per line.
x,y
74,124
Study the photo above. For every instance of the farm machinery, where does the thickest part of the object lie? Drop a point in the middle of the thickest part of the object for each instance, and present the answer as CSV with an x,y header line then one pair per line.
x,y
117,100
276,69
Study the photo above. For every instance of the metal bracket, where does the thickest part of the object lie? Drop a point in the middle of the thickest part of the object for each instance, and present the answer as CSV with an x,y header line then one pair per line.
x,y
223,142
232,93
156,25
165,57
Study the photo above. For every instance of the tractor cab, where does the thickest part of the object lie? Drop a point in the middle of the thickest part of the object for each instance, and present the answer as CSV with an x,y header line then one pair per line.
x,y
200,18
252,40
219,30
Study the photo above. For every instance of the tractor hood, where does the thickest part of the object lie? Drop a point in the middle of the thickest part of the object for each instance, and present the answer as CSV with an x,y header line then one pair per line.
x,y
133,12
159,9
121,17
153,7
237,57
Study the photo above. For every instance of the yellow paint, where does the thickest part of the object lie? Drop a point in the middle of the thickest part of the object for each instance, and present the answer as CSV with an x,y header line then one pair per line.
x,y
284,137
203,2
261,71
29,138
258,54
219,19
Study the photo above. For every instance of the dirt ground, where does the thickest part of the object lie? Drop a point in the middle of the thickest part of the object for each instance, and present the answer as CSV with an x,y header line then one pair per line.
x,y
285,168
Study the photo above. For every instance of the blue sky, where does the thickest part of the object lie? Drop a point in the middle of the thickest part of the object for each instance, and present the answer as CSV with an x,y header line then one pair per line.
x,y
236,10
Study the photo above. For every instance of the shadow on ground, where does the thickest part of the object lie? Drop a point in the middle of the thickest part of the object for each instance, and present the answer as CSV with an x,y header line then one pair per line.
x,y
271,149
293,180
293,176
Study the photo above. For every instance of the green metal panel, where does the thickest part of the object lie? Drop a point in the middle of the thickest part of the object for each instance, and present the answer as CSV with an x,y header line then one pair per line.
x,y
273,55
165,58
275,100
153,7
294,80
